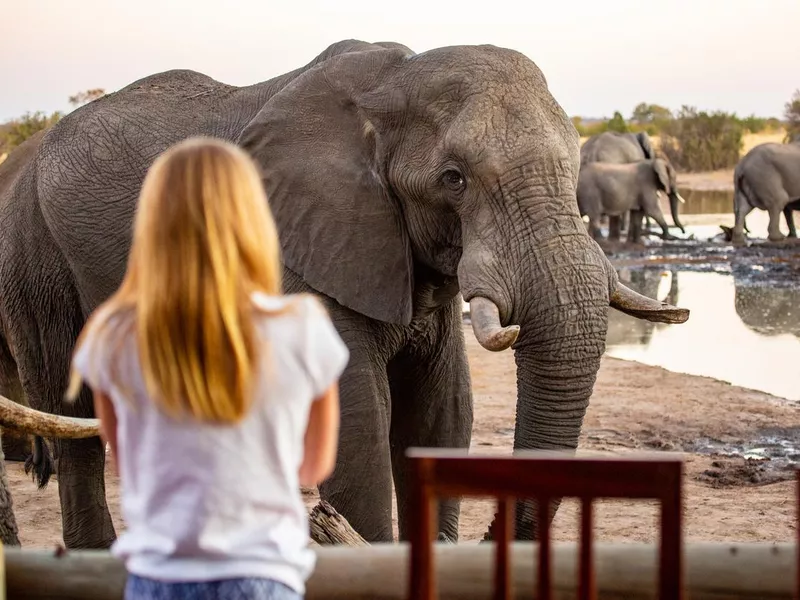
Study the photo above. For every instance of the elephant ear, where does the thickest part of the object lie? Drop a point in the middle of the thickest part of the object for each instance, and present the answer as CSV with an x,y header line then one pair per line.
x,y
662,175
646,145
321,157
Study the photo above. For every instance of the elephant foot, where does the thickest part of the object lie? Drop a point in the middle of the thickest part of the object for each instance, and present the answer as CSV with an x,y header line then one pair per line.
x,y
776,238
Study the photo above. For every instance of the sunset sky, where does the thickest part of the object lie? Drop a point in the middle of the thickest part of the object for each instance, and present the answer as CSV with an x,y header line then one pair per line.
x,y
598,55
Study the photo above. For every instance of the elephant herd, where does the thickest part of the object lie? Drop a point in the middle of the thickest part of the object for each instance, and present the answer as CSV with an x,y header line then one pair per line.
x,y
621,178
401,182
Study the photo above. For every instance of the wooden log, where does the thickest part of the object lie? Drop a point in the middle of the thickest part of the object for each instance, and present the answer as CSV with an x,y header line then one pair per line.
x,y
465,571
24,419
328,527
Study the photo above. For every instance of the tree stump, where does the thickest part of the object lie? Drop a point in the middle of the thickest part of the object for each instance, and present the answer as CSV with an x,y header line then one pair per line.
x,y
329,528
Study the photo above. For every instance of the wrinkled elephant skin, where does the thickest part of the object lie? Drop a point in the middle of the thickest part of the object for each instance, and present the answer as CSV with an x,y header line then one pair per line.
x,y
397,180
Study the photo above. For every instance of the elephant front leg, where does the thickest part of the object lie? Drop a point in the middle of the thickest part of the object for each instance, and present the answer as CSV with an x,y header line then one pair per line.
x,y
431,408
360,487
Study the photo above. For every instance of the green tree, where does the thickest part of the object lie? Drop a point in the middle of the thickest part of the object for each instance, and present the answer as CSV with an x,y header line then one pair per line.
x,y
646,114
88,96
792,114
617,123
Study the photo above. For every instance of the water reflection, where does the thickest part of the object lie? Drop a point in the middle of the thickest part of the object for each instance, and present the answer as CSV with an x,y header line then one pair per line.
x,y
706,202
747,336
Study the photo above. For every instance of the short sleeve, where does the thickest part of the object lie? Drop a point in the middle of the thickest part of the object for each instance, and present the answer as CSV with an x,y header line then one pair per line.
x,y
88,361
326,354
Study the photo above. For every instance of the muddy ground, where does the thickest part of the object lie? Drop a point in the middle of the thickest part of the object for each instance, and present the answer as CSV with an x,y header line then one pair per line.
x,y
634,407
747,496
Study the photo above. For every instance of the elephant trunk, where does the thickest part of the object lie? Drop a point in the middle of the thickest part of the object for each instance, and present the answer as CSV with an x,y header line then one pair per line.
x,y
563,314
674,199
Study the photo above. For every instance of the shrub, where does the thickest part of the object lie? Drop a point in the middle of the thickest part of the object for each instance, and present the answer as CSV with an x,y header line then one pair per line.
x,y
18,130
702,141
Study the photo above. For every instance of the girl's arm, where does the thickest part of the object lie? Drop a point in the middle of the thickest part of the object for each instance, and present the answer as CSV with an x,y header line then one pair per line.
x,y
104,410
321,438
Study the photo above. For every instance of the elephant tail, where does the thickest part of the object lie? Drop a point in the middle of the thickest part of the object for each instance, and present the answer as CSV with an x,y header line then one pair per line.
x,y
40,461
741,192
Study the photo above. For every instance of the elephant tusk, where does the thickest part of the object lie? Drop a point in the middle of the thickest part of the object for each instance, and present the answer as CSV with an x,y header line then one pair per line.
x,y
681,199
485,319
633,303
35,422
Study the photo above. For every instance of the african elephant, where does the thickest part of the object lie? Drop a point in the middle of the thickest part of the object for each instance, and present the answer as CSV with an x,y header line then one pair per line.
x,y
767,177
620,148
614,189
397,180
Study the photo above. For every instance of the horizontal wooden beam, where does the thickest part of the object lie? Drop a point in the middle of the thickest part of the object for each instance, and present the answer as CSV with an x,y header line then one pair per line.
x,y
379,572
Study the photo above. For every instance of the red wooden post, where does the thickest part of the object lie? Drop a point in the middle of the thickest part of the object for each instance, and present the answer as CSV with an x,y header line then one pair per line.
x,y
586,582
502,566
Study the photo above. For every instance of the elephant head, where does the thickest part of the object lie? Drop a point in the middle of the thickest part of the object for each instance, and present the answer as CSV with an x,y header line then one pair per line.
x,y
667,182
384,165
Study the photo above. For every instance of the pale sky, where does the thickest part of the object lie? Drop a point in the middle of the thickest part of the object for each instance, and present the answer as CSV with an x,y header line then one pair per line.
x,y
598,55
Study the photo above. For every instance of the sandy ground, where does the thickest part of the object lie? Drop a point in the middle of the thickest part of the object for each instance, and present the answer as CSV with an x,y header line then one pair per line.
x,y
634,408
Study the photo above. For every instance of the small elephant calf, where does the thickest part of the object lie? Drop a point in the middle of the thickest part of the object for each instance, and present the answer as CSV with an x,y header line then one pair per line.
x,y
614,189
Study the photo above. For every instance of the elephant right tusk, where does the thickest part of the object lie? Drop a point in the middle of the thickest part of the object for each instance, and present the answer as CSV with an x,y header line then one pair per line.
x,y
35,422
635,304
486,325
680,199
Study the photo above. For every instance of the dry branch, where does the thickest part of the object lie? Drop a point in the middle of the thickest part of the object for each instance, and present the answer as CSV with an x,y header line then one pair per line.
x,y
24,419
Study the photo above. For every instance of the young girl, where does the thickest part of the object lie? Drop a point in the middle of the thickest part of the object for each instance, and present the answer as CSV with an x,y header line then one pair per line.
x,y
217,394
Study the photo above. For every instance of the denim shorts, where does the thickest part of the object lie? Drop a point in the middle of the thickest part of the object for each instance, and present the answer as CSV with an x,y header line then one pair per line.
x,y
141,588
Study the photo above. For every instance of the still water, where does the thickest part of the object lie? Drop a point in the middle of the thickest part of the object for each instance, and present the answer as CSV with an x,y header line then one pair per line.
x,y
746,335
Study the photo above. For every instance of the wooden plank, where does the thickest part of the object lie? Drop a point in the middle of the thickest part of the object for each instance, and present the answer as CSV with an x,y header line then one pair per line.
x,y
465,571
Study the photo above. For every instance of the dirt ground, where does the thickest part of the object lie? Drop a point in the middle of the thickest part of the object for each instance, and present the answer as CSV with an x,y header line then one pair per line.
x,y
634,408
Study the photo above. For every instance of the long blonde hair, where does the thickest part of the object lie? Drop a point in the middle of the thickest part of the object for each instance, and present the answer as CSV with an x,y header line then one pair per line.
x,y
204,239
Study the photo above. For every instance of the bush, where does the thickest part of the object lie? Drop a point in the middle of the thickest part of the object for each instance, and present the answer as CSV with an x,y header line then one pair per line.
x,y
702,141
17,131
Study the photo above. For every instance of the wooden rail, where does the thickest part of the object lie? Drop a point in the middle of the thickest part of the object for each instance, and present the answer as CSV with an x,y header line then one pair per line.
x,y
713,571
436,473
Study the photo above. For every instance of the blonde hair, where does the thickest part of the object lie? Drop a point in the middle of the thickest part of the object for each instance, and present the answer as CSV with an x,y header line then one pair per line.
x,y
204,239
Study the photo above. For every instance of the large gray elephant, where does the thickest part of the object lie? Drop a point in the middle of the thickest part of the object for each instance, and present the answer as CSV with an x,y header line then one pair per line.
x,y
397,181
616,189
621,148
767,177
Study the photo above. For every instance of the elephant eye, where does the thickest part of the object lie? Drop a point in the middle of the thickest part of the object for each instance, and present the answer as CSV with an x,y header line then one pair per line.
x,y
453,180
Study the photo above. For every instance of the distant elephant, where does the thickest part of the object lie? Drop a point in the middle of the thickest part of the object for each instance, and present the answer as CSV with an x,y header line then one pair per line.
x,y
626,330
620,148
615,189
397,180
767,177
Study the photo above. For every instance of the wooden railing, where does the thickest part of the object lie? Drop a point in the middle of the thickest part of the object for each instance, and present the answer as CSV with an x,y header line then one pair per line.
x,y
438,473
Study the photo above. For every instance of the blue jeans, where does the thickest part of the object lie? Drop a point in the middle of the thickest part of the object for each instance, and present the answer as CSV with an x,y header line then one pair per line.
x,y
141,588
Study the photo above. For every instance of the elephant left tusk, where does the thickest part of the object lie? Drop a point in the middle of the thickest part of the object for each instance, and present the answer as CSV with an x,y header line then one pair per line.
x,y
680,199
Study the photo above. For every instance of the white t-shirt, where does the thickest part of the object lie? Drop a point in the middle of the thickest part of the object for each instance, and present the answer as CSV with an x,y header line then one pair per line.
x,y
204,502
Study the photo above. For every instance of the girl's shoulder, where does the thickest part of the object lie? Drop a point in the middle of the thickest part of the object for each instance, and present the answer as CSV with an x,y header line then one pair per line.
x,y
299,306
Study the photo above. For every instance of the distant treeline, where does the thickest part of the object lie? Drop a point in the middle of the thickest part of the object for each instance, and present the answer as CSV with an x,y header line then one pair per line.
x,y
697,140
692,140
